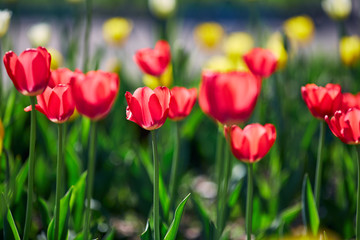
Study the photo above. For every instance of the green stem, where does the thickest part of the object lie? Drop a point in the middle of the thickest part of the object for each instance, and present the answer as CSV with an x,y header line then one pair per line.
x,y
156,186
90,178
59,185
224,192
31,169
319,164
249,201
88,6
175,164
219,174
358,197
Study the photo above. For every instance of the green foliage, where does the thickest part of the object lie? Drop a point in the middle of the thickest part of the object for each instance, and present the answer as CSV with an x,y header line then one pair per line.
x,y
309,211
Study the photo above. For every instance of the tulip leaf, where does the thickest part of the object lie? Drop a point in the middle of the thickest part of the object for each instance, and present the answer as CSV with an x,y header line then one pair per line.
x,y
110,235
173,229
20,181
44,212
77,202
146,235
289,214
163,196
64,218
207,223
309,210
10,221
234,196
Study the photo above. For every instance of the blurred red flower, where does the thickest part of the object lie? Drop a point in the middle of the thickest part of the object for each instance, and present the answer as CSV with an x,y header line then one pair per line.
x,y
253,142
350,101
230,97
148,108
181,103
154,61
261,62
94,93
322,101
30,71
55,103
346,125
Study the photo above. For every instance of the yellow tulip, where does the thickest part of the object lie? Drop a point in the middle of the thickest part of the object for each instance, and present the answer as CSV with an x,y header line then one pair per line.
x,y
165,79
56,58
116,30
337,9
220,64
5,16
39,34
350,50
276,45
162,8
299,29
237,44
209,35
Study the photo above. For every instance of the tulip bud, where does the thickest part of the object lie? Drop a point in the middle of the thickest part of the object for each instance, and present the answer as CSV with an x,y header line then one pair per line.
x,y
116,30
5,16
39,34
350,50
162,8
337,9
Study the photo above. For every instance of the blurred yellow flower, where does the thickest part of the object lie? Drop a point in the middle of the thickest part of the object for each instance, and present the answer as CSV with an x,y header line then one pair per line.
x,y
337,9
209,35
56,58
116,30
276,45
2,135
350,50
220,64
299,29
165,79
162,8
237,44
5,16
39,34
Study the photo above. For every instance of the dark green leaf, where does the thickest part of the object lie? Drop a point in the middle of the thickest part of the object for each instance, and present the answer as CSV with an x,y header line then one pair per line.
x,y
146,235
77,202
64,218
11,222
207,223
173,229
20,181
110,235
44,212
289,214
309,211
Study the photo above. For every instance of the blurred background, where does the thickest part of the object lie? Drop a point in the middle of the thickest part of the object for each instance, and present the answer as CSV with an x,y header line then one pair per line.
x,y
314,41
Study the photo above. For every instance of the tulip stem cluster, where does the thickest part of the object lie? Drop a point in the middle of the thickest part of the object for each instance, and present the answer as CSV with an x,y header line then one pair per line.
x,y
156,186
31,169
175,164
59,185
358,196
319,164
90,178
249,201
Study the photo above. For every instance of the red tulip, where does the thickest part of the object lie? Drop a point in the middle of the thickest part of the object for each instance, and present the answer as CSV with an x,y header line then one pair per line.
x,y
181,103
322,101
94,93
30,71
350,101
62,76
229,97
261,62
55,103
154,62
148,108
346,125
253,142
